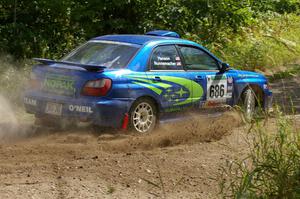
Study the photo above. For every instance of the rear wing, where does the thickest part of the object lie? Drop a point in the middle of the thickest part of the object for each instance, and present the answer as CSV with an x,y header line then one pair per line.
x,y
87,67
163,33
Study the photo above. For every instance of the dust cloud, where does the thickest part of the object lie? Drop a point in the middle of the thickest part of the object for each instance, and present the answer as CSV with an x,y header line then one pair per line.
x,y
196,128
10,128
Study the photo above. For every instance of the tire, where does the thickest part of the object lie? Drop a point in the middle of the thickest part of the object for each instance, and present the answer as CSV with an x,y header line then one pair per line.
x,y
249,104
143,116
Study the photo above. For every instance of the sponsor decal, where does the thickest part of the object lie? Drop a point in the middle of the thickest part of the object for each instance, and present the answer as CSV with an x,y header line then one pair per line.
x,y
30,101
216,77
81,109
247,75
59,84
230,80
176,90
218,88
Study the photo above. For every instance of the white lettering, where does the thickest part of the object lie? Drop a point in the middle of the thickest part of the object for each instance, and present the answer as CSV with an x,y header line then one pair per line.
x,y
30,101
164,58
164,63
71,108
82,109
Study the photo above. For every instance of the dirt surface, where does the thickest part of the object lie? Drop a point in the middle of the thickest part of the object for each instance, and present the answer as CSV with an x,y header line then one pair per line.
x,y
287,94
179,160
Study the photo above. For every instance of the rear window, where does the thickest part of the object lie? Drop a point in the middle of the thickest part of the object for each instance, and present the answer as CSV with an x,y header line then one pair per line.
x,y
108,54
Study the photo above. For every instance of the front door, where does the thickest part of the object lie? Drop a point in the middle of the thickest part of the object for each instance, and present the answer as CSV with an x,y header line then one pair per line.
x,y
204,70
167,75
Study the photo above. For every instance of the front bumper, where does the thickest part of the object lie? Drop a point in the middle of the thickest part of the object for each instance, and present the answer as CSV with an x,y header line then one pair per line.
x,y
102,112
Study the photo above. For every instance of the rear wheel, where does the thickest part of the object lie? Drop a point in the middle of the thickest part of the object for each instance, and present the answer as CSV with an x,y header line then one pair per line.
x,y
143,116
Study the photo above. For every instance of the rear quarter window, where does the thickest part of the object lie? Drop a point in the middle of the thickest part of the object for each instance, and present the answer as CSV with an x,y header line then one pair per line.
x,y
165,58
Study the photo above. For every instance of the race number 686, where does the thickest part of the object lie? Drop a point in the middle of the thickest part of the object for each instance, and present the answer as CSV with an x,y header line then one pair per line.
x,y
217,90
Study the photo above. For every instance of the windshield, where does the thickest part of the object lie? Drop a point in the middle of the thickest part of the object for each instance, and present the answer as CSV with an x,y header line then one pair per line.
x,y
108,54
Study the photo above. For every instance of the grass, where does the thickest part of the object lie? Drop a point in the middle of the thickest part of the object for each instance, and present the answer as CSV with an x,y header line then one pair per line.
x,y
271,169
273,42
292,71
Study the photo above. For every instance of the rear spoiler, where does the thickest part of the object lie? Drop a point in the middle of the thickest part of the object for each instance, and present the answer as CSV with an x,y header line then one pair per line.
x,y
87,67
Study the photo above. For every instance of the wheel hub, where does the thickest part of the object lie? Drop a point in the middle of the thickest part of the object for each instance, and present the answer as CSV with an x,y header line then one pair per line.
x,y
143,117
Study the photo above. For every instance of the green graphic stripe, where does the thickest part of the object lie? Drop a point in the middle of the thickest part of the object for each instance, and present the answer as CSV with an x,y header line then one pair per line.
x,y
187,101
159,84
218,77
195,90
156,90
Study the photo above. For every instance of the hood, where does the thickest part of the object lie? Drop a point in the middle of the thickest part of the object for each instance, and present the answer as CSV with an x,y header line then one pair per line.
x,y
249,74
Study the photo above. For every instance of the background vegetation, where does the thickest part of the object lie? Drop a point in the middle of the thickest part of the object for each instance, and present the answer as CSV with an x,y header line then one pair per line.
x,y
271,168
248,33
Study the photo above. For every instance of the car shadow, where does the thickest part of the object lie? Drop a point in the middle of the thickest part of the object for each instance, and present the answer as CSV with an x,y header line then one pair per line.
x,y
10,132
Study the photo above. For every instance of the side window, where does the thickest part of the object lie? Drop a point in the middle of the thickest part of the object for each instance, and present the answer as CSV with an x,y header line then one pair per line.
x,y
165,58
196,59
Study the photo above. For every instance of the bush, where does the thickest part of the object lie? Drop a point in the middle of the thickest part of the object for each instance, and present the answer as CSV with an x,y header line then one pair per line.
x,y
271,44
272,169
51,28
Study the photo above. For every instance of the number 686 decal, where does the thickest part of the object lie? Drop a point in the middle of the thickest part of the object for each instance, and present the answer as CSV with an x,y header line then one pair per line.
x,y
216,91
216,87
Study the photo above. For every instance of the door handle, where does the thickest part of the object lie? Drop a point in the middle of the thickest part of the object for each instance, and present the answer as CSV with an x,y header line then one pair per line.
x,y
157,79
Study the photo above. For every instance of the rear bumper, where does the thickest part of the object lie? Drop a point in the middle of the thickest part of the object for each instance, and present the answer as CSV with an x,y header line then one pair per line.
x,y
104,112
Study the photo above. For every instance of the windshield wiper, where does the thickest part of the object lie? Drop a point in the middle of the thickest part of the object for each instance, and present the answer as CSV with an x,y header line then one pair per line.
x,y
88,67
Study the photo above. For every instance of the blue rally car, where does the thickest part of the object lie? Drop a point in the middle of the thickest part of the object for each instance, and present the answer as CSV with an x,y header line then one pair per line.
x,y
129,81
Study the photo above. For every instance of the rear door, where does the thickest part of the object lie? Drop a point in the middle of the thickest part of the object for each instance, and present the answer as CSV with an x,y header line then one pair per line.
x,y
204,70
166,74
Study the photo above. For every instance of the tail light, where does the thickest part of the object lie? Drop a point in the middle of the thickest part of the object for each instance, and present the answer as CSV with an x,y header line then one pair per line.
x,y
98,87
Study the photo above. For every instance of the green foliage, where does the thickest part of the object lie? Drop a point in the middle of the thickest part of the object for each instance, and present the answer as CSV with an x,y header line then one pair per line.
x,y
44,28
41,28
272,169
274,42
293,71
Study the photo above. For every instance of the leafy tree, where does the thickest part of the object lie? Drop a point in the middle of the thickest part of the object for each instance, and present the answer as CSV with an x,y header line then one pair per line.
x,y
51,28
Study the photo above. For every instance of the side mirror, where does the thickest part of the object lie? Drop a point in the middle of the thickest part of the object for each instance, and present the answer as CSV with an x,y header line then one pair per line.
x,y
224,67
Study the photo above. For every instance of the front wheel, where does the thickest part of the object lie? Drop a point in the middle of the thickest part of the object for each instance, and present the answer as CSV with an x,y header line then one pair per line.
x,y
143,116
249,104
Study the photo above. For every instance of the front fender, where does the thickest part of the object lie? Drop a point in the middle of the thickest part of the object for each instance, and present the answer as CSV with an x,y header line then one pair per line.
x,y
241,84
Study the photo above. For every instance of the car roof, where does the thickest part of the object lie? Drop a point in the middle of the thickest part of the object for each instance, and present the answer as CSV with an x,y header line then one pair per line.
x,y
134,39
